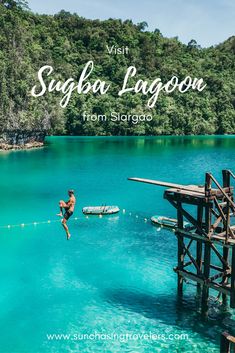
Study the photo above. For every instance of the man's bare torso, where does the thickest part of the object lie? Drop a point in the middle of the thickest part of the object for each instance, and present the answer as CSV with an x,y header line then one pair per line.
x,y
71,203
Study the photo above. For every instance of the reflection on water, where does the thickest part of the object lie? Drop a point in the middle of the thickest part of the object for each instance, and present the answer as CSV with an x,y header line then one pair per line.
x,y
150,144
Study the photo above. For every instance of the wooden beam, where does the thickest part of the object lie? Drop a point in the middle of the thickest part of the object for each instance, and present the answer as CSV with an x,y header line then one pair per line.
x,y
190,275
223,192
216,286
220,257
217,268
186,197
215,213
190,218
220,209
188,246
191,257
219,287
186,264
195,236
219,275
217,222
199,247
170,185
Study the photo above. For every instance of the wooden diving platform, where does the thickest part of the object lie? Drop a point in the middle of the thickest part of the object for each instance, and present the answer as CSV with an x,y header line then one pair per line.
x,y
193,190
199,258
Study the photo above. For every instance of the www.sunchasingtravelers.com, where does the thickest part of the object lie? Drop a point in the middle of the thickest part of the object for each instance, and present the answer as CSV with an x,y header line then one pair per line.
x,y
122,337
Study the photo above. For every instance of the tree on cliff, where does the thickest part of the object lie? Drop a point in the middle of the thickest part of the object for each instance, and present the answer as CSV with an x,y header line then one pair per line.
x,y
11,4
66,42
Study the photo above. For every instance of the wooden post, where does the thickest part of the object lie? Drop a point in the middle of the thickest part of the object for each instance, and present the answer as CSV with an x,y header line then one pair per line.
x,y
232,295
205,290
207,249
225,280
180,239
226,178
226,183
199,246
208,185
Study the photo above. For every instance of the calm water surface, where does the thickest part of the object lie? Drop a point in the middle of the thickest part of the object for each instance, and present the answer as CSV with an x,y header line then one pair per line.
x,y
115,275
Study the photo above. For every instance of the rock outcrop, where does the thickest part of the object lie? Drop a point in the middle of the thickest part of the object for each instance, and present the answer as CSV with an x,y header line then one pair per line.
x,y
17,140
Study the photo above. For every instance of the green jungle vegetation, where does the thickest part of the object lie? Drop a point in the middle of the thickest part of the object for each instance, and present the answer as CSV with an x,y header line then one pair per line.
x,y
67,42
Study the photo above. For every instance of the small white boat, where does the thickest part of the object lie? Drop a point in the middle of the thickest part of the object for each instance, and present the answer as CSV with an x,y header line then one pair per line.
x,y
100,210
167,222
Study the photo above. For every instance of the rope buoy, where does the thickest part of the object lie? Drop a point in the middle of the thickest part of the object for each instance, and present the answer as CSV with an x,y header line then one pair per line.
x,y
23,225
35,223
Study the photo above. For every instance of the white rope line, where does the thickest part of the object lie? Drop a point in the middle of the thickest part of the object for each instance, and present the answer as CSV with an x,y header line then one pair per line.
x,y
22,225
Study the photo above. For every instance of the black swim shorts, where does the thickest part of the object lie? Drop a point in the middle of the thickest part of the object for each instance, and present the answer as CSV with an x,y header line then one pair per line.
x,y
68,214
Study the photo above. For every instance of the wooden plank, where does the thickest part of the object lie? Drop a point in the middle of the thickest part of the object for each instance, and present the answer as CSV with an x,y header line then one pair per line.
x,y
194,188
191,193
186,197
197,189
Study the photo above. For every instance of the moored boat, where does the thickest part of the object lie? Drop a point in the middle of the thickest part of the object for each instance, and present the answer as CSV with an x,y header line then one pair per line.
x,y
100,210
167,222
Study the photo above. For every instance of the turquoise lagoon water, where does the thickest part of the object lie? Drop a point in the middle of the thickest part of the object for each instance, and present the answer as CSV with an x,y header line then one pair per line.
x,y
115,274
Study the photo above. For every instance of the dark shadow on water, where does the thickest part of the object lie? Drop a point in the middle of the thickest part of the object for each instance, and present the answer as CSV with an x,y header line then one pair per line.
x,y
174,311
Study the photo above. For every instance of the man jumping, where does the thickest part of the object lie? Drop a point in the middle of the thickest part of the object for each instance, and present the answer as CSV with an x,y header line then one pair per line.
x,y
68,208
